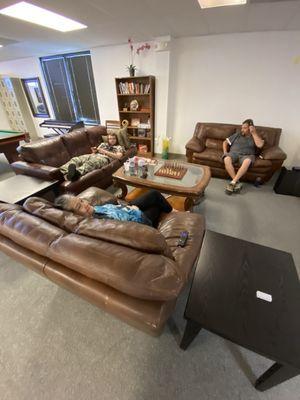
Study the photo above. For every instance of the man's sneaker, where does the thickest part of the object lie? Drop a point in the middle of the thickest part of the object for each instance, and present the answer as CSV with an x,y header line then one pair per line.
x,y
72,174
237,187
230,188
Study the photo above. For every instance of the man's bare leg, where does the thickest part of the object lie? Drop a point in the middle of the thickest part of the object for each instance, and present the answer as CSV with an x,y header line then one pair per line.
x,y
242,170
229,167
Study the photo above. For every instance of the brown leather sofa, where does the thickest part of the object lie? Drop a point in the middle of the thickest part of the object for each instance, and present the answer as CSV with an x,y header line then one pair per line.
x,y
44,157
133,271
205,148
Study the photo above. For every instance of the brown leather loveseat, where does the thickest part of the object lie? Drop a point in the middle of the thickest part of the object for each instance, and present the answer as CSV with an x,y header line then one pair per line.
x,y
205,148
44,157
131,270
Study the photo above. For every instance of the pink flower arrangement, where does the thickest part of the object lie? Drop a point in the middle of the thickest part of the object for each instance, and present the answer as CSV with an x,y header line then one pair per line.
x,y
143,47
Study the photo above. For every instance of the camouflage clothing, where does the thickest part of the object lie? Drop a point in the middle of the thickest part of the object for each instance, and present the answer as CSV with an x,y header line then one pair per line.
x,y
86,163
112,149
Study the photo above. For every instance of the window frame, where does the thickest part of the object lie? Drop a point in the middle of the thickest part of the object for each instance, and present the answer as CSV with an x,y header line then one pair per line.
x,y
71,89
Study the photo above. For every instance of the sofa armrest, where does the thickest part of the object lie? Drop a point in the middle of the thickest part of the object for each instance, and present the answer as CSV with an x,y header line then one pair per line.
x,y
171,226
38,170
97,196
273,153
194,145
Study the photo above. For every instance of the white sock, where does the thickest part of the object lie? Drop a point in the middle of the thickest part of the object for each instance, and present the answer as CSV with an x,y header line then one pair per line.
x,y
233,182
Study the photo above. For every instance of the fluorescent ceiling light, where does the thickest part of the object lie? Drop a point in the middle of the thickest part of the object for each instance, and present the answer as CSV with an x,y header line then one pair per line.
x,y
220,3
37,15
1,45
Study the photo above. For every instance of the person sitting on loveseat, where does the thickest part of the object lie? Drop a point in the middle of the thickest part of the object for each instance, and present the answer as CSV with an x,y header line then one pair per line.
x,y
99,156
240,147
146,209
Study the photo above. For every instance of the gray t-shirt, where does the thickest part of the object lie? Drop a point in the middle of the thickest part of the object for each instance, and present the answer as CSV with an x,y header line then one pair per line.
x,y
241,144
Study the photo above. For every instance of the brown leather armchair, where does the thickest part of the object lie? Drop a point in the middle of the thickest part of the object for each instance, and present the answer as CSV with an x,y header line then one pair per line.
x,y
133,271
205,148
43,158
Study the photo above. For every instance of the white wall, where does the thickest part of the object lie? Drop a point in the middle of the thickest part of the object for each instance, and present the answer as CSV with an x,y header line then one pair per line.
x,y
228,78
222,78
27,68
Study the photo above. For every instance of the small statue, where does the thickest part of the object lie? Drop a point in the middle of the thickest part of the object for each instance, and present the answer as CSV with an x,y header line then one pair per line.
x,y
134,105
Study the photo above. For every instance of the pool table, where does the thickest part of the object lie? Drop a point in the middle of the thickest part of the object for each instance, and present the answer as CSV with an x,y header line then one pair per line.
x,y
9,141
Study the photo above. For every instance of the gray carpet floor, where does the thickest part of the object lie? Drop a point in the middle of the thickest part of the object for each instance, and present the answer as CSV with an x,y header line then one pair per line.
x,y
55,346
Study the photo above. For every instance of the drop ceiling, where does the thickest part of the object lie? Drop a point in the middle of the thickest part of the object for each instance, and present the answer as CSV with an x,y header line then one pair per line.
x,y
113,21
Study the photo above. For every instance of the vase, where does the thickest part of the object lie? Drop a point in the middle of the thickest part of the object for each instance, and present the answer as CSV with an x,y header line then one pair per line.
x,y
165,148
131,71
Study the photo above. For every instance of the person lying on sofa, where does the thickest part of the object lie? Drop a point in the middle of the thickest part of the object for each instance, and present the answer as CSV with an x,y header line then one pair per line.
x,y
146,209
240,147
99,156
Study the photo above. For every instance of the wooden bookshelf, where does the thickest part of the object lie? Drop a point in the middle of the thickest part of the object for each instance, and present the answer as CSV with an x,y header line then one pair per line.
x,y
131,88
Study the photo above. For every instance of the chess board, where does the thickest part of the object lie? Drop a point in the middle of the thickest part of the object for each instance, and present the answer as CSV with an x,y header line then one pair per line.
x,y
171,170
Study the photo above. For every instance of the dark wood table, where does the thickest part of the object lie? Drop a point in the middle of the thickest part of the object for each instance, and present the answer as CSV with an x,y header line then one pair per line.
x,y
9,141
225,299
185,192
18,188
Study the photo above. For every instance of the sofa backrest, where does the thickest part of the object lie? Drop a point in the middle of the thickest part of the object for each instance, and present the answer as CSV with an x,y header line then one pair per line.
x,y
95,134
77,142
212,135
50,151
58,150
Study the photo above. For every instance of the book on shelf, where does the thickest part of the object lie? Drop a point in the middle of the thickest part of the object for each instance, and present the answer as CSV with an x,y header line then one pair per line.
x,y
134,88
144,126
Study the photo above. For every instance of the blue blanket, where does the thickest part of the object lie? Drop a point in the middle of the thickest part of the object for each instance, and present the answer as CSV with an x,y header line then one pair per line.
x,y
121,213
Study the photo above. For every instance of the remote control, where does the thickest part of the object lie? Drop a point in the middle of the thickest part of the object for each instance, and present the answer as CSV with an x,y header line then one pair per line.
x,y
183,238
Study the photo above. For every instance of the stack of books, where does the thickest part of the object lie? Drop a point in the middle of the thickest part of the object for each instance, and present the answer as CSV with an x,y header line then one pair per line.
x,y
134,88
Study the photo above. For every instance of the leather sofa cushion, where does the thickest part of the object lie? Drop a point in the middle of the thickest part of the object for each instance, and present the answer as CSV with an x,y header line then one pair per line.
x,y
218,131
141,275
95,134
46,151
261,163
42,208
214,144
210,155
29,231
77,142
134,235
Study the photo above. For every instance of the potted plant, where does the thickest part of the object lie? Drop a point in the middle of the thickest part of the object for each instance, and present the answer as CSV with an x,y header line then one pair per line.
x,y
131,67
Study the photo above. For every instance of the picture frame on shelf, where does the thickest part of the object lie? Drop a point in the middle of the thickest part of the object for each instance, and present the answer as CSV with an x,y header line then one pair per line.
x,y
135,122
134,105
35,97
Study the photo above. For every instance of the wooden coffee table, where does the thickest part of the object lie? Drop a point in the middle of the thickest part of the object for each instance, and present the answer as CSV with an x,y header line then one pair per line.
x,y
250,295
185,192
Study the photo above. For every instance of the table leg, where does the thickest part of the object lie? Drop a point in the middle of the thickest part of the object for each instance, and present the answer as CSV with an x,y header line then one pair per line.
x,y
275,375
123,188
192,329
188,203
